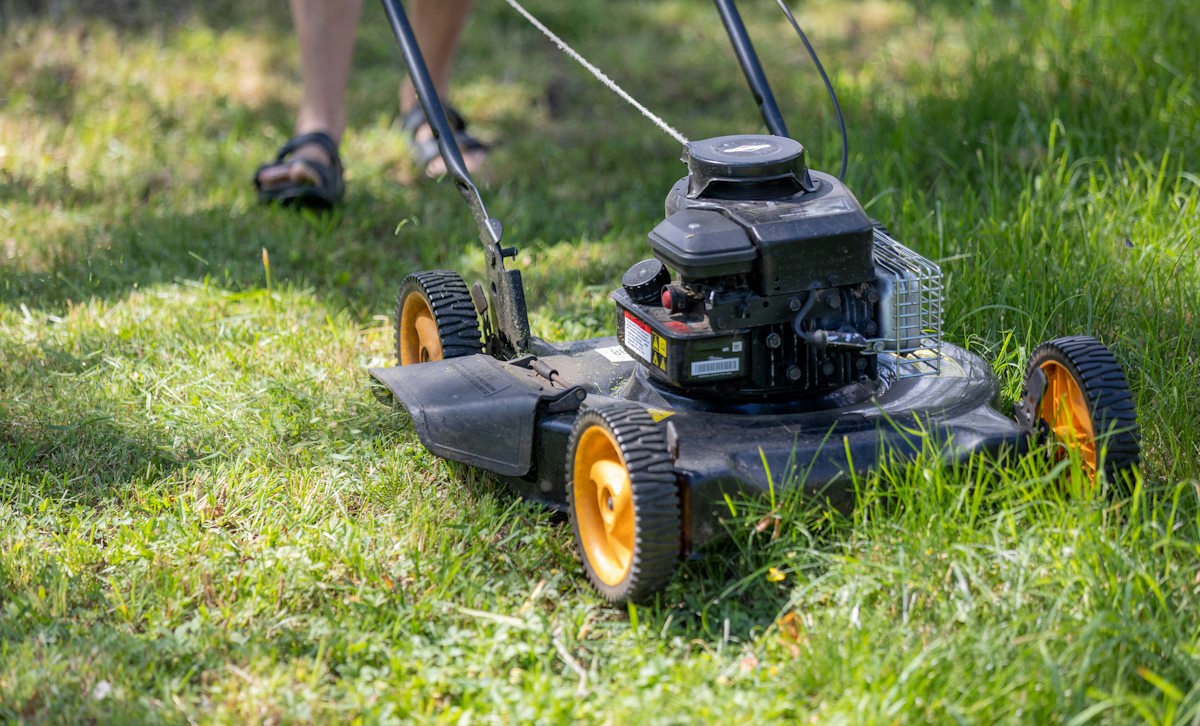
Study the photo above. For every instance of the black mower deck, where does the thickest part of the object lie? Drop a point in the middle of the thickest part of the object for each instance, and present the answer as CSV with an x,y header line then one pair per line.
x,y
510,419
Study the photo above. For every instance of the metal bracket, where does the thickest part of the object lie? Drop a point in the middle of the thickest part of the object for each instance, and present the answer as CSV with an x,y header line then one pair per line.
x,y
570,400
505,290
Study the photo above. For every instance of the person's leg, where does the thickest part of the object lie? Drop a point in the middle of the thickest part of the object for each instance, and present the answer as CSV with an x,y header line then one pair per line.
x,y
326,30
437,24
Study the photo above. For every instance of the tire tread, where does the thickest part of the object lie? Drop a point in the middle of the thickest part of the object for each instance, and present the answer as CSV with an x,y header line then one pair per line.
x,y
453,311
657,515
1110,402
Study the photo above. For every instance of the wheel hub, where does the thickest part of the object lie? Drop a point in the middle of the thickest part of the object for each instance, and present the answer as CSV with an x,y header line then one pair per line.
x,y
604,505
1065,409
418,331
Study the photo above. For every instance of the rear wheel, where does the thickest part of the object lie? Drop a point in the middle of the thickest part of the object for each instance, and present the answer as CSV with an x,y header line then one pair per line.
x,y
1086,405
623,502
435,318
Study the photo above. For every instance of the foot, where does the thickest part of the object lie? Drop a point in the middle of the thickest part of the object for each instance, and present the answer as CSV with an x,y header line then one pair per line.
x,y
286,173
473,158
426,155
307,172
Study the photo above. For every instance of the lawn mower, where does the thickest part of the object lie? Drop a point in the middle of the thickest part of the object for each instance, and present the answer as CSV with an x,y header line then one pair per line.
x,y
778,337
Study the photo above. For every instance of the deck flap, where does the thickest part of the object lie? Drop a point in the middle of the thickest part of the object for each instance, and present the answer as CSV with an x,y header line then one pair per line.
x,y
474,409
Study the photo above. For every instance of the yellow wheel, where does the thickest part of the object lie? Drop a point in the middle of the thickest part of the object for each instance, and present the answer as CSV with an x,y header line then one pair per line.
x,y
623,501
435,318
1085,404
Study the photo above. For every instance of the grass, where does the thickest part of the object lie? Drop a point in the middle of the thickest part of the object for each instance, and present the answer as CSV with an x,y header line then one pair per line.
x,y
205,516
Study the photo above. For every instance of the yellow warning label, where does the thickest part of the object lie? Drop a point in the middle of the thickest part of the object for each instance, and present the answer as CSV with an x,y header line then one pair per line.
x,y
659,358
658,414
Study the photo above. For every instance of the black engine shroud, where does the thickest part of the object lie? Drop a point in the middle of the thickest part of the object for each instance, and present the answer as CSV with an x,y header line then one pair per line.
x,y
776,292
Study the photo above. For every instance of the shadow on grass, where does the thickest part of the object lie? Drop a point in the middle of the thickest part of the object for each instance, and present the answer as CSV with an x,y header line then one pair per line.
x,y
87,461
79,449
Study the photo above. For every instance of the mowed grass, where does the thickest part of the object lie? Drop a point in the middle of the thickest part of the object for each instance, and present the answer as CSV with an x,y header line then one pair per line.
x,y
206,516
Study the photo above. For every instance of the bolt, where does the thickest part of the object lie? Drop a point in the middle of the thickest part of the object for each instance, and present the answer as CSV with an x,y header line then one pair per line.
x,y
833,300
827,368
774,340
870,328
794,373
794,304
860,363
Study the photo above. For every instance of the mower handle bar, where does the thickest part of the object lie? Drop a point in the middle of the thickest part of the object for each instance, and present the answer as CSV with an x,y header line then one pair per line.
x,y
506,292
490,229
748,59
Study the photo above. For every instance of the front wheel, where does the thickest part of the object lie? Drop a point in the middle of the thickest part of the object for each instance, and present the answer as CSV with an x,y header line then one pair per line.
x,y
435,318
623,501
1085,404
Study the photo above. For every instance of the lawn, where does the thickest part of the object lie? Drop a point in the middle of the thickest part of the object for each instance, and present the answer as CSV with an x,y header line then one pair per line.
x,y
205,515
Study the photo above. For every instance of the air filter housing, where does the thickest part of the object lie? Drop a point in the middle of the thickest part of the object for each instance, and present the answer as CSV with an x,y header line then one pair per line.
x,y
746,167
750,206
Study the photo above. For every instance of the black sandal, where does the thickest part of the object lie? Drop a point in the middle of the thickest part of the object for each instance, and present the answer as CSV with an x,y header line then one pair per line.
x,y
305,194
423,152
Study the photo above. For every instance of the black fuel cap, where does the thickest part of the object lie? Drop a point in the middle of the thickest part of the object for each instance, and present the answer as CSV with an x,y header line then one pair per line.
x,y
645,280
745,158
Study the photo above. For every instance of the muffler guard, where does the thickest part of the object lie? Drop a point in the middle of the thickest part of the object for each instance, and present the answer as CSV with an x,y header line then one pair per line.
x,y
474,409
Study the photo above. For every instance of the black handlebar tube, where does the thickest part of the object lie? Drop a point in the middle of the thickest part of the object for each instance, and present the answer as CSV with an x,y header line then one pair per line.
x,y
436,116
744,49
506,292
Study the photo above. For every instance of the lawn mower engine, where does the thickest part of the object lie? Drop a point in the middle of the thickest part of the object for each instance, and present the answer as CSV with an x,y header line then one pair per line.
x,y
784,288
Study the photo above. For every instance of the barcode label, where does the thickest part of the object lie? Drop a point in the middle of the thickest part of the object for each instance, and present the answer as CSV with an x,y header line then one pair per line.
x,y
715,367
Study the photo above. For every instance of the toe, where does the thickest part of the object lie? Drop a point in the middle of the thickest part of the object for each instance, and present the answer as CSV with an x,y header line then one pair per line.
x,y
274,176
299,173
473,159
294,171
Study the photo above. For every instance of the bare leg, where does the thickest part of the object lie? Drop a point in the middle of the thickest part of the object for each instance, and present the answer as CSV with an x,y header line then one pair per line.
x,y
438,25
326,31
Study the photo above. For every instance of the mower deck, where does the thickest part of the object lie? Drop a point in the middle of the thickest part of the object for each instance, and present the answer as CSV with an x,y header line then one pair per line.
x,y
509,419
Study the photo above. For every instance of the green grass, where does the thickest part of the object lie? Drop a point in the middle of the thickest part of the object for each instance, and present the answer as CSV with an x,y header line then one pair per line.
x,y
205,516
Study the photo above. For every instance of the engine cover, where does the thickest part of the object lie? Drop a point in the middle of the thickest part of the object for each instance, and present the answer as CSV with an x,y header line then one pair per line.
x,y
798,229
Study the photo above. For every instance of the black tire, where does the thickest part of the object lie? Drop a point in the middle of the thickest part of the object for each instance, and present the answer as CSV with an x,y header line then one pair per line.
x,y
1105,390
654,497
448,303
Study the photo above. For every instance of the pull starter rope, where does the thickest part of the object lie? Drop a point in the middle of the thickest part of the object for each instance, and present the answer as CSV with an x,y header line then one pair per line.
x,y
599,74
